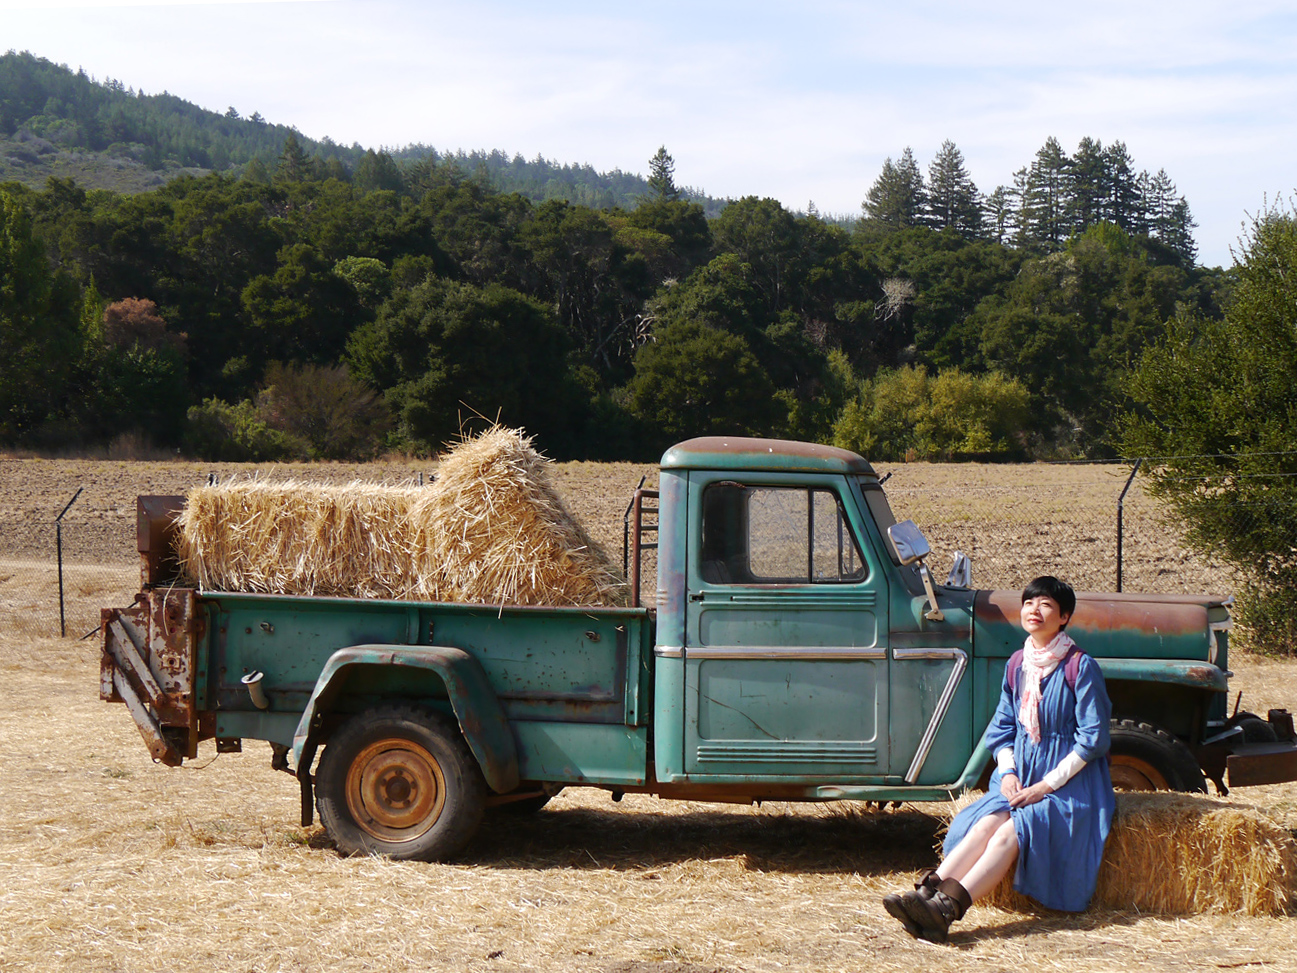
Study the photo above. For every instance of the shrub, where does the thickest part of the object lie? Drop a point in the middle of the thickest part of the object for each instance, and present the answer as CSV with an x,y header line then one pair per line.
x,y
237,434
906,413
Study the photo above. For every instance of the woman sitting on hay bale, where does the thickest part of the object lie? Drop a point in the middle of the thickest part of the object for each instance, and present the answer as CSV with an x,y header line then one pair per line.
x,y
1050,803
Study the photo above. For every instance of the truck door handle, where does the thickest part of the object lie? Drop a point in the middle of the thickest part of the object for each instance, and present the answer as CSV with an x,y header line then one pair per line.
x,y
696,595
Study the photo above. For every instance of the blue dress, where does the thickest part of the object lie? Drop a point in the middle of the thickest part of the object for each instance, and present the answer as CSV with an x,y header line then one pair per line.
x,y
1060,838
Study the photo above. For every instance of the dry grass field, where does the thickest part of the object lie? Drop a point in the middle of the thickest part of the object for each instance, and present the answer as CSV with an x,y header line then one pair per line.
x,y
111,863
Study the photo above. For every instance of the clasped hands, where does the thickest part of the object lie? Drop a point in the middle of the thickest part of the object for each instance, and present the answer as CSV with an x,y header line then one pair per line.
x,y
1019,796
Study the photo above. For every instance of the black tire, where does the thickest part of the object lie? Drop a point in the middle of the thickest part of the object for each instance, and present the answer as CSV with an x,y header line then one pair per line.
x,y
1147,758
401,782
1255,728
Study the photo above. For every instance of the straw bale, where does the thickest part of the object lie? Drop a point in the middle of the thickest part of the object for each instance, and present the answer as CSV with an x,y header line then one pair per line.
x,y
490,529
1185,854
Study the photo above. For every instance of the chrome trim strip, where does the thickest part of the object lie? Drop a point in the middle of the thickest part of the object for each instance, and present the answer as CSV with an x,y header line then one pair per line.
x,y
669,651
787,652
924,652
943,704
821,600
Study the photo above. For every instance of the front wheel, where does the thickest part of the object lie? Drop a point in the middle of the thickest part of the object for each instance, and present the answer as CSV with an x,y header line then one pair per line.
x,y
399,781
1148,758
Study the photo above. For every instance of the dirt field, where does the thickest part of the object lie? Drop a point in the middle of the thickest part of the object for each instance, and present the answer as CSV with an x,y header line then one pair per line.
x,y
1013,521
111,863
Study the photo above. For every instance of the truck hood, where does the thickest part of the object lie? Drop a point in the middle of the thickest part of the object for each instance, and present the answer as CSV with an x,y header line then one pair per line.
x,y
1141,626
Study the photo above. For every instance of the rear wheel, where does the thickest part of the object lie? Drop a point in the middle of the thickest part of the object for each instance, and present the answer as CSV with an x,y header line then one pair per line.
x,y
399,781
1147,758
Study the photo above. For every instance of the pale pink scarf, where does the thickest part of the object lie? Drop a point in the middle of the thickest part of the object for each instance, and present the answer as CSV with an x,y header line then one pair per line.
x,y
1037,663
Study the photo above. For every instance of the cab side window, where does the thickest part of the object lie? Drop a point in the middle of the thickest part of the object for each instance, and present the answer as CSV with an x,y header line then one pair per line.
x,y
776,535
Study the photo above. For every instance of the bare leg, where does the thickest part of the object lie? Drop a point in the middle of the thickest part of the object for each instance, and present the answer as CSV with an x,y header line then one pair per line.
x,y
968,852
994,863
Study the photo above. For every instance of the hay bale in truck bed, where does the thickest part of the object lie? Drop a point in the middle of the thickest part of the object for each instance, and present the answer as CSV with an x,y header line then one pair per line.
x,y
1182,854
490,529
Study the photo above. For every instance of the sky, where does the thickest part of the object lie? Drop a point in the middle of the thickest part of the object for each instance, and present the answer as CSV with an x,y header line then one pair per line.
x,y
797,101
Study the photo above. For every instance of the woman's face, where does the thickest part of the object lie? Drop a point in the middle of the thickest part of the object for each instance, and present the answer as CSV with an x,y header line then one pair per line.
x,y
1042,619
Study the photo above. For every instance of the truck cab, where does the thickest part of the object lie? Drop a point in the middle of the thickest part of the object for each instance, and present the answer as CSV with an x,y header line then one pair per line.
x,y
792,645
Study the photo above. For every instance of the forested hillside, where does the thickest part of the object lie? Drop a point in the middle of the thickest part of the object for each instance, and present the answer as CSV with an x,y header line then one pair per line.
x,y
319,303
54,122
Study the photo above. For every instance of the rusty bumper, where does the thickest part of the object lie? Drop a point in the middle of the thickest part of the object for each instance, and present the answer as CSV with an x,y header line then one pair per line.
x,y
1252,764
1246,764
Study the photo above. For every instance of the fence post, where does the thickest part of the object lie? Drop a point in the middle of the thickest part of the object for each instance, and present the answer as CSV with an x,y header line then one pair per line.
x,y
58,543
1121,503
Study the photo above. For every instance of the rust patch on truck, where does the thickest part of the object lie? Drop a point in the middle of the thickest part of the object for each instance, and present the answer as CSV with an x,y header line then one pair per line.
x,y
1171,615
1206,675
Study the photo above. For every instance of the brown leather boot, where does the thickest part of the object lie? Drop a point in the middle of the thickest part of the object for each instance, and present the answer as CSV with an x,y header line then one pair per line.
x,y
934,915
927,884
924,888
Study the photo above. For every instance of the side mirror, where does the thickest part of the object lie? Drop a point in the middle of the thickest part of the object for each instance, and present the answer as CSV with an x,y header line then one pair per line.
x,y
961,572
912,547
909,542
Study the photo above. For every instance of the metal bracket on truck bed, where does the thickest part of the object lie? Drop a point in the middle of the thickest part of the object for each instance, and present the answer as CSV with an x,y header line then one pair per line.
x,y
148,663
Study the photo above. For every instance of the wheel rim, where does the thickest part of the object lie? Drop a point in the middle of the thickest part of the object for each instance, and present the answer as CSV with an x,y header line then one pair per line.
x,y
1132,774
396,790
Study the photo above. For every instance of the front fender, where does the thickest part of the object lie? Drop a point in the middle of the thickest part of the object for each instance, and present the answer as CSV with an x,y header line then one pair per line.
x,y
1175,672
480,716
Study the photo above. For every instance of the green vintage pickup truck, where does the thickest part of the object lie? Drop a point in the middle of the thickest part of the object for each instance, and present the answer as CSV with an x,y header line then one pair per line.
x,y
798,650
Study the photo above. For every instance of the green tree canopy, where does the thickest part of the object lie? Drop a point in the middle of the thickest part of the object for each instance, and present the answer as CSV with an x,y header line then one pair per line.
x,y
908,414
696,380
952,199
661,182
443,351
40,335
1216,408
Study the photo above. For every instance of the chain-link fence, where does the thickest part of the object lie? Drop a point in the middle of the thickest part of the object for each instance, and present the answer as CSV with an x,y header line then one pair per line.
x,y
1089,524
1014,522
100,562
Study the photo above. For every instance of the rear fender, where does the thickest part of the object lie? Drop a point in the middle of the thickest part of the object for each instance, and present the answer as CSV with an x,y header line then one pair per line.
x,y
476,708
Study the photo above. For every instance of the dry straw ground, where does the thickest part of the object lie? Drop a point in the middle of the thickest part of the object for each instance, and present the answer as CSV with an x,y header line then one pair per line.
x,y
111,863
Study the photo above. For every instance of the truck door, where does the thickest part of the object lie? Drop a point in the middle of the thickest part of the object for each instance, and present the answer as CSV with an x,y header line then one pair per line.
x,y
785,632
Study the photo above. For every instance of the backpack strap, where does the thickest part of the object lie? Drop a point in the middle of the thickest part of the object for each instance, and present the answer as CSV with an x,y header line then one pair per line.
x,y
1012,669
1072,667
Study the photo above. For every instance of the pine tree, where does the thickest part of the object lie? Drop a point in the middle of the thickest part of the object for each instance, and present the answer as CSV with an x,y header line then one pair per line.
x,y
661,182
1179,235
952,198
1045,197
1122,205
1000,214
1159,200
294,164
1089,185
897,197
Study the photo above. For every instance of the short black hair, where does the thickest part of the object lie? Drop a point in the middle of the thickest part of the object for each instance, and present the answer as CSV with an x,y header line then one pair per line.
x,y
1048,586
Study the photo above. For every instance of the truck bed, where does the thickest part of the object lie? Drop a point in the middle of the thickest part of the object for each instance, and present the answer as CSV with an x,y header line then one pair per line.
x,y
574,683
